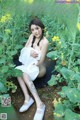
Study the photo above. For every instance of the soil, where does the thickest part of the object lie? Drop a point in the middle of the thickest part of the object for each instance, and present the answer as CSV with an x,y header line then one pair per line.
x,y
47,95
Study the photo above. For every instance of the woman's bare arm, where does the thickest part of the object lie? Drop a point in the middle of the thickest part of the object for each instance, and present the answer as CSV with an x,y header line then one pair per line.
x,y
29,41
43,51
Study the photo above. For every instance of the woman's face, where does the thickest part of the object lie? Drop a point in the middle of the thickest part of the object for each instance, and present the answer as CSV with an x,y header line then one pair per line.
x,y
36,31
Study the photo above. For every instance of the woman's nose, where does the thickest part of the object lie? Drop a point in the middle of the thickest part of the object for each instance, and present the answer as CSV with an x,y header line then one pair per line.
x,y
35,31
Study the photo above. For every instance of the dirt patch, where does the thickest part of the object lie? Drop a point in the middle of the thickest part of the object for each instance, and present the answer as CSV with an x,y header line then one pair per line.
x,y
47,94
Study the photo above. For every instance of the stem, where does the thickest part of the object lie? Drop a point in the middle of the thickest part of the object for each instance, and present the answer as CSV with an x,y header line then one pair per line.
x,y
74,38
72,52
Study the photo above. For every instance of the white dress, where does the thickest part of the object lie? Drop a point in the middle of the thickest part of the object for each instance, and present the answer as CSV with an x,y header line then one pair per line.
x,y
29,63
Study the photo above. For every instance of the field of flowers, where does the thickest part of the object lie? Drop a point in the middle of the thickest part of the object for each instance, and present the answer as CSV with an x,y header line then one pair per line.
x,y
62,29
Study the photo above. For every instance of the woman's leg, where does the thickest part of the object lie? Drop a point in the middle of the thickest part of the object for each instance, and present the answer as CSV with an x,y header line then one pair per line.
x,y
28,100
40,106
24,88
42,71
32,89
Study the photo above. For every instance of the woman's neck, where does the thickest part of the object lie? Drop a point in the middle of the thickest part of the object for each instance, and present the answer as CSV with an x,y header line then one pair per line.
x,y
37,40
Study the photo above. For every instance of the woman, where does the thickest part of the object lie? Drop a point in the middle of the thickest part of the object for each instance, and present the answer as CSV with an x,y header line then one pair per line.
x,y
32,58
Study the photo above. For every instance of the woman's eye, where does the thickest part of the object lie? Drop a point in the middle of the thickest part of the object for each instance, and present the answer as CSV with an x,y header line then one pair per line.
x,y
37,28
32,29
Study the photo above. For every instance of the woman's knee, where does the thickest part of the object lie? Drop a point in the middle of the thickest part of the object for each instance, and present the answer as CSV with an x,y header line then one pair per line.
x,y
27,79
19,78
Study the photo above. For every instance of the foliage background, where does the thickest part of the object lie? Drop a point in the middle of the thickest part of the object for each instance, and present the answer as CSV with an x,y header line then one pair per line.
x,y
62,29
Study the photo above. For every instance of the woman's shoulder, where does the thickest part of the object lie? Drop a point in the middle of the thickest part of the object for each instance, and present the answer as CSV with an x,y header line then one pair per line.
x,y
31,36
45,40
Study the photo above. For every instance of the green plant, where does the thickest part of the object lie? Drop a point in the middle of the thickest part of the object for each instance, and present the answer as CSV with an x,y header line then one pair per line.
x,y
64,48
63,32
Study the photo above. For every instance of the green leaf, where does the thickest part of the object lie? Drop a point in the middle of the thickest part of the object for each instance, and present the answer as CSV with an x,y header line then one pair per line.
x,y
72,94
69,115
18,46
5,69
2,88
13,52
77,76
2,60
67,74
1,49
17,73
53,55
67,104
78,61
52,81
59,111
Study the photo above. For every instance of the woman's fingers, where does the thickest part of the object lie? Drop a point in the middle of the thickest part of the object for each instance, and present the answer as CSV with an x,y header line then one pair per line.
x,y
35,54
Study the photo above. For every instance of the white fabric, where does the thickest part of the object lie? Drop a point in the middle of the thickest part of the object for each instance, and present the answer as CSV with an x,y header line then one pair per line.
x,y
39,113
26,105
29,62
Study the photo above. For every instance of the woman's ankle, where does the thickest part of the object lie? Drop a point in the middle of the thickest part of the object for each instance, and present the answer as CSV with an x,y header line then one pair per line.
x,y
27,98
40,105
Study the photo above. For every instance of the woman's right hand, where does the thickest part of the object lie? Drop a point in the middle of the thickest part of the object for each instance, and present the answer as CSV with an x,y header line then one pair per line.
x,y
34,54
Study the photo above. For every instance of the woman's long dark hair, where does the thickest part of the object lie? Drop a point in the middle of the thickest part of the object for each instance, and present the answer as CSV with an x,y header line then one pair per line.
x,y
39,23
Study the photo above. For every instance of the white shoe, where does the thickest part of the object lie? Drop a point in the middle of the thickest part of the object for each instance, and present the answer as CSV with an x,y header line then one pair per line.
x,y
26,105
39,113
